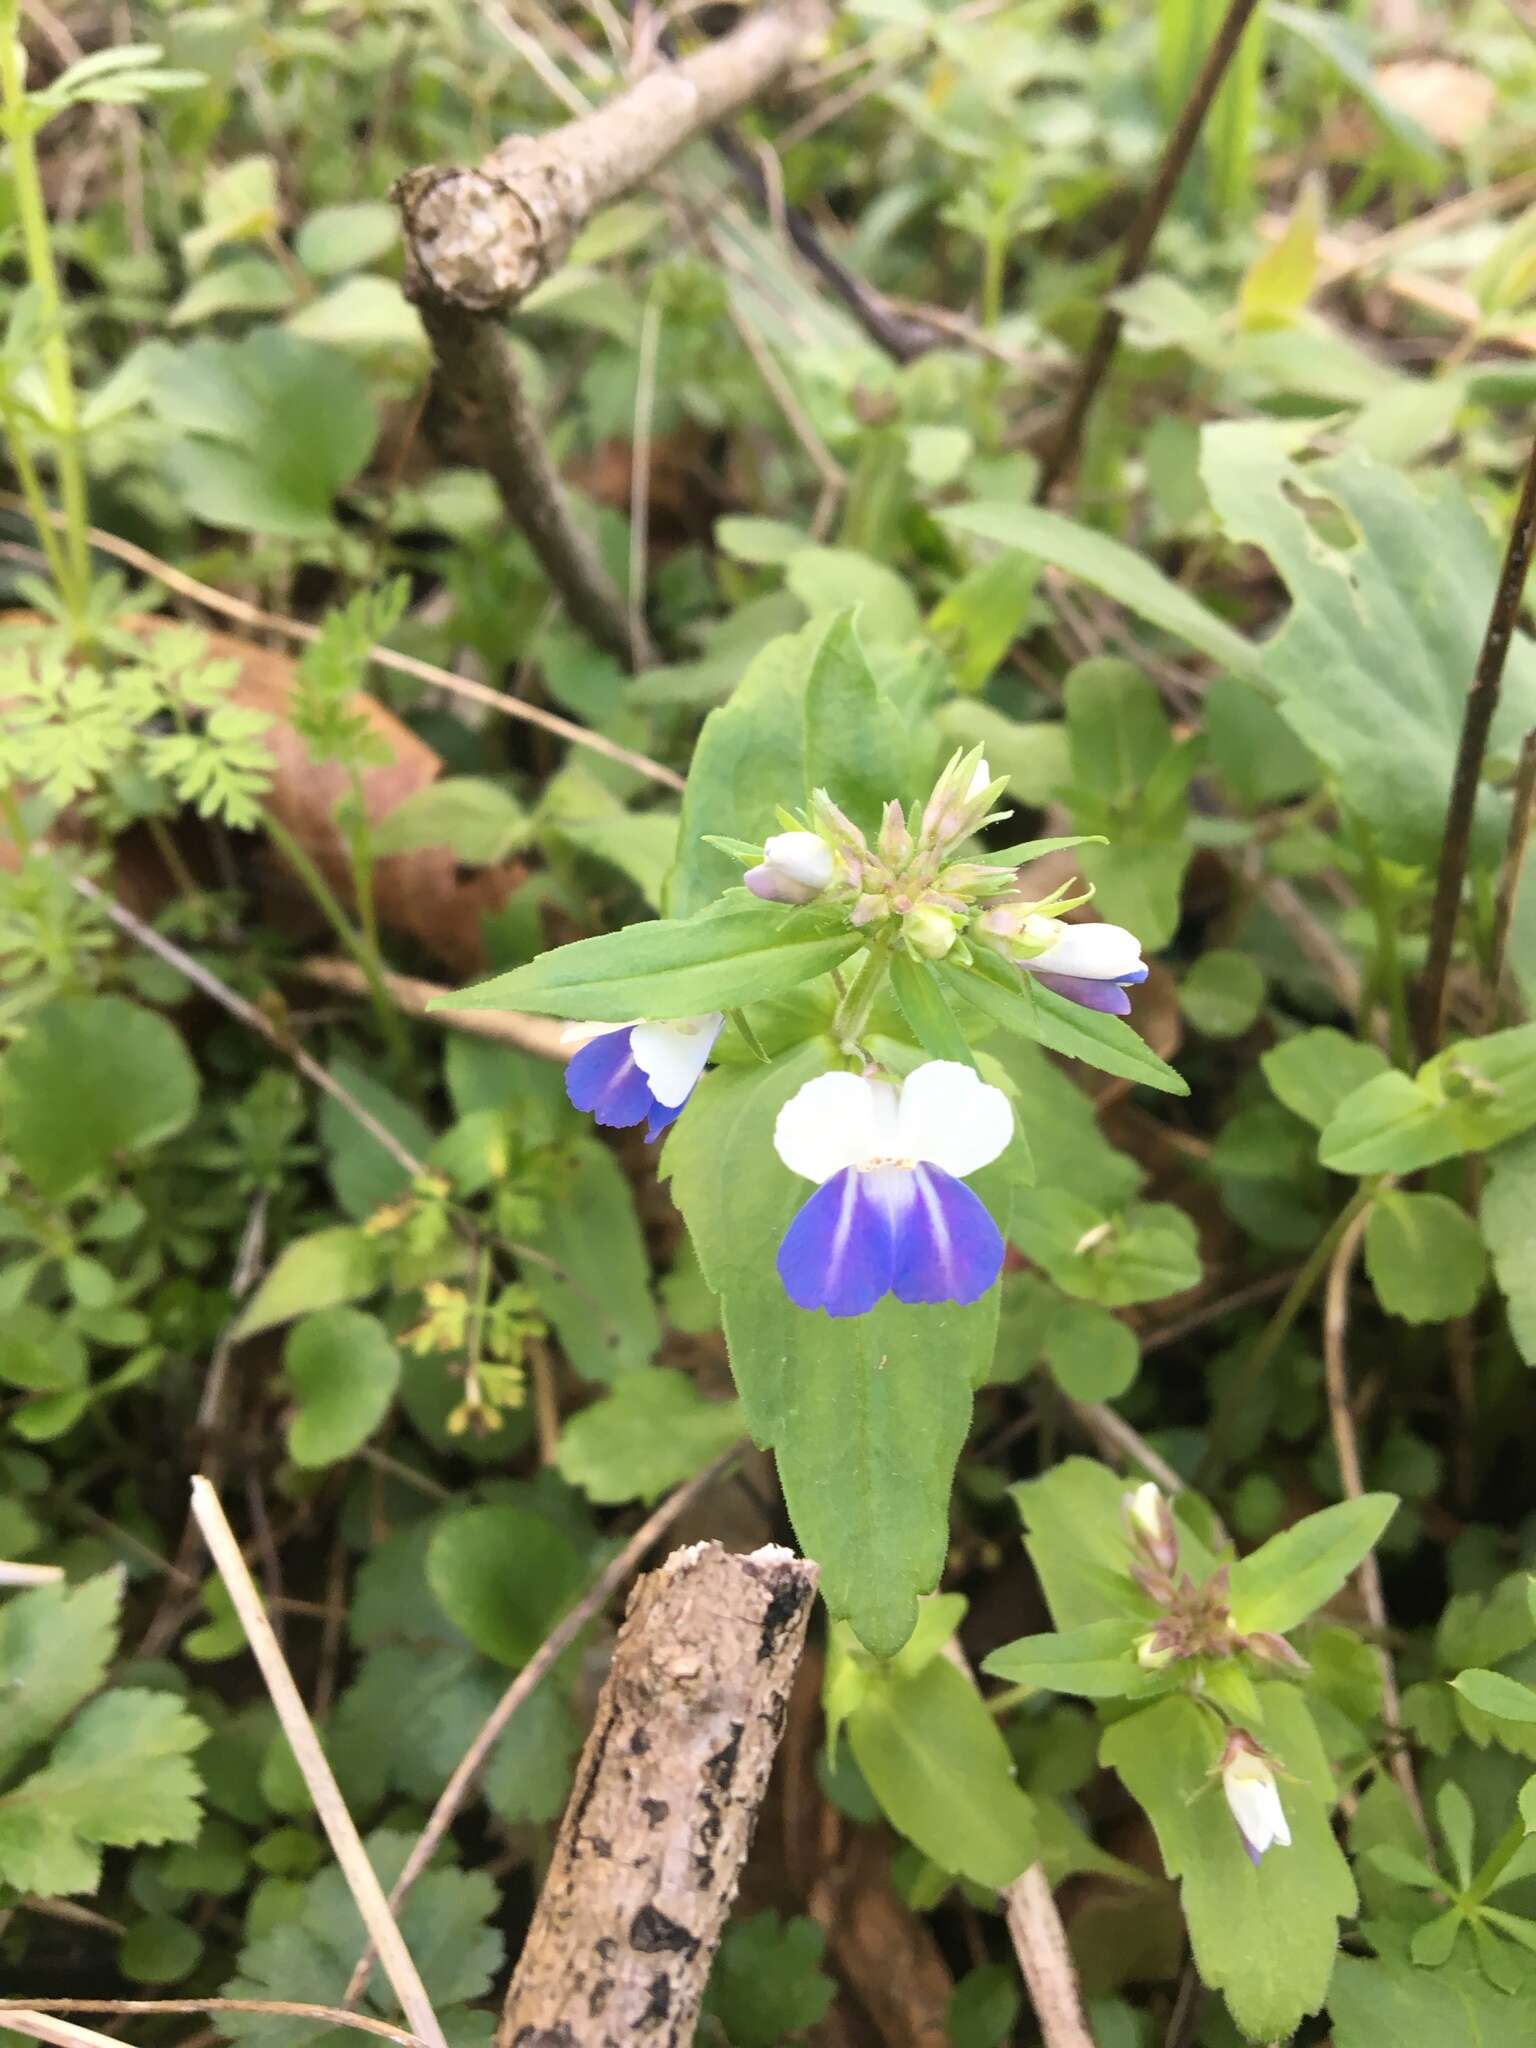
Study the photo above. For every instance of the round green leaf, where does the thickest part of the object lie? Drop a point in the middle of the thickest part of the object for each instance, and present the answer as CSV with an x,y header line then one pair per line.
x,y
343,1371
95,1079
1221,994
338,238
504,1576
1424,1256
40,1352
1093,1355
159,1950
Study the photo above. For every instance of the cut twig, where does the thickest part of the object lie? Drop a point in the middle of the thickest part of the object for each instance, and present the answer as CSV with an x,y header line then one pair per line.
x,y
650,1851
613,1575
1508,886
1138,243
1341,1424
1477,721
383,657
30,1574
482,238
341,1832
276,2008
541,1036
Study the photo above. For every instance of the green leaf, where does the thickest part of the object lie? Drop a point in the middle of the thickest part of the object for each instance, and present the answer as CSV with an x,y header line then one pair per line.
x,y
1266,1937
1222,994
1096,1661
1493,1693
478,822
1373,2001
935,1759
736,953
504,1576
55,1645
978,620
1371,665
1252,748
1118,728
767,1983
159,1949
1508,1220
40,1353
338,238
1147,1252
1109,566
829,579
265,431
866,1416
1424,1256
1471,1096
1092,1355
651,1432
857,746
363,1174
1294,1573
94,1080
1314,1072
343,1371
926,1008
1032,753
1003,994
322,1270
599,1298
1076,1543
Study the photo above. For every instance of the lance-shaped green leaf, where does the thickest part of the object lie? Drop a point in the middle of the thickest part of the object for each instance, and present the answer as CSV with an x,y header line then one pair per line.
x,y
1108,1043
926,1008
1497,1694
1474,1094
1265,1937
1508,1219
867,1415
1098,1661
737,952
857,747
937,1762
1294,1573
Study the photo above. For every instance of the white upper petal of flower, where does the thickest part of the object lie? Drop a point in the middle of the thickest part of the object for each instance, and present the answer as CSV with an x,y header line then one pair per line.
x,y
831,1122
1097,952
673,1054
951,1118
804,857
1254,1798
981,778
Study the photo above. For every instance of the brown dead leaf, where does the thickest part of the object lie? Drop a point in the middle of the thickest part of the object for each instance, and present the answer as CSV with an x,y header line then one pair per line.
x,y
1450,101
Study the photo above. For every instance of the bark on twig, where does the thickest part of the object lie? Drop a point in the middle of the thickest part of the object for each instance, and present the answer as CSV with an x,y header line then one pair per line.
x,y
484,237
1477,721
1138,243
649,1853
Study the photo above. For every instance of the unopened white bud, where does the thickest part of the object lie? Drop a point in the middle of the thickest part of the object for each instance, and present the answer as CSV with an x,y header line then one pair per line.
x,y
1253,1796
796,866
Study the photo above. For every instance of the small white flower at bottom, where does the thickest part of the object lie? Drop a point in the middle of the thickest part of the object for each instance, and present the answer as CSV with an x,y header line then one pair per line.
x,y
1253,1797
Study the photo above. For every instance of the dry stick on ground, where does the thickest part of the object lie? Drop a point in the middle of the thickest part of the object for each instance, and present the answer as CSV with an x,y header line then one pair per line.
x,y
555,1644
1341,1423
341,1832
274,2008
666,1795
1138,243
541,1036
252,615
30,1574
1508,886
479,239
1477,720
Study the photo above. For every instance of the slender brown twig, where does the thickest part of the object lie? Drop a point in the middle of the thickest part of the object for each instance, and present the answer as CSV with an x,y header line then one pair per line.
x,y
1138,243
1477,721
277,2008
1341,1424
1508,885
561,1636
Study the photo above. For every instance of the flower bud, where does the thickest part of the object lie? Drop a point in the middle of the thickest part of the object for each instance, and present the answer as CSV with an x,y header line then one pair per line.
x,y
1149,1524
958,803
894,846
929,931
1153,1655
1253,1796
796,866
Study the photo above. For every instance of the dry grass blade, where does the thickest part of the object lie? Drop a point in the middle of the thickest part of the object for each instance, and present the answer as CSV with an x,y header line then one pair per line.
x,y
346,1843
13,2009
30,1574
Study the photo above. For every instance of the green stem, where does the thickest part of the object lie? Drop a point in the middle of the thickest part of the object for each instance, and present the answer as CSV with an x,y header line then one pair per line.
x,y
366,956
32,492
994,251
32,214
853,1012
1240,1386
1493,1869
15,823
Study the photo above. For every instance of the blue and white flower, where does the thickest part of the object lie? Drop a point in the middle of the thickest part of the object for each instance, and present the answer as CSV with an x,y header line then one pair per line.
x,y
640,1073
1253,1796
1091,964
891,1213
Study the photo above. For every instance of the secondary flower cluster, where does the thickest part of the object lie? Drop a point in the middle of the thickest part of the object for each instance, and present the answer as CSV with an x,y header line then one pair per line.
x,y
891,1213
1195,1622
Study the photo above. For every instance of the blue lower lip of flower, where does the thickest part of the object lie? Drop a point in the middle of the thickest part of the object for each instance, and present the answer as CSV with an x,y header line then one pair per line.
x,y
1108,996
605,1079
915,1232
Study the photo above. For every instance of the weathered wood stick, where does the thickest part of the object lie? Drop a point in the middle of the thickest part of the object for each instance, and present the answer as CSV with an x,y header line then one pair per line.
x,y
666,1795
484,237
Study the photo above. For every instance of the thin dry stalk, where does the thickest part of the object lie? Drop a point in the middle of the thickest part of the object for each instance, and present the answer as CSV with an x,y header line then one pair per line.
x,y
1341,1424
30,1574
346,1843
640,478
276,2008
42,2026
445,679
1138,243
1508,886
613,1575
1477,721
539,1035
